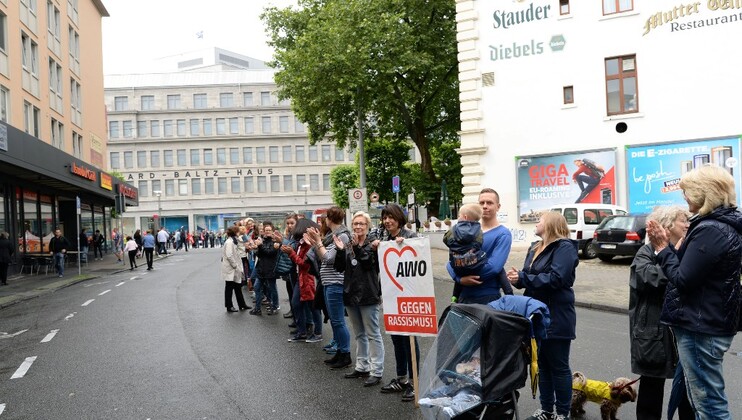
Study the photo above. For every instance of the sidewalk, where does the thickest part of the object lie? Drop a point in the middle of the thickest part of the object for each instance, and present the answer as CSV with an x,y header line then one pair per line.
x,y
22,287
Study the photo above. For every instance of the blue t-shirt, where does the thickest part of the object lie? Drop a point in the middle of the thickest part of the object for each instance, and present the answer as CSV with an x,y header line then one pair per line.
x,y
148,241
496,243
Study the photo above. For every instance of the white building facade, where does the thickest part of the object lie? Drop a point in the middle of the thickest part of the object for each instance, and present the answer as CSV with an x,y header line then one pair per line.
x,y
205,147
647,90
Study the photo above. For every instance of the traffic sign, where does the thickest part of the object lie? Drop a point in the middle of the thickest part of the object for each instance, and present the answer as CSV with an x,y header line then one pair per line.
x,y
357,200
395,184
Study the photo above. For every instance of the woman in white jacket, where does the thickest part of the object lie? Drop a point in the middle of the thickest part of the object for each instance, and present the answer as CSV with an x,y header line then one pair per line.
x,y
232,271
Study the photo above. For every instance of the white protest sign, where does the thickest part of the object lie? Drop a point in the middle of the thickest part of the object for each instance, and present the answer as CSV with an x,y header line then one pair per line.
x,y
406,273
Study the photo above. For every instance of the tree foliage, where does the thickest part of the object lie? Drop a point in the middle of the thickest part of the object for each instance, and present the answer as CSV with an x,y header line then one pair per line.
x,y
385,159
394,61
343,177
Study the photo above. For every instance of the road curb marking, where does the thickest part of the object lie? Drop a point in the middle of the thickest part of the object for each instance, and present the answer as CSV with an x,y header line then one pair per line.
x,y
25,366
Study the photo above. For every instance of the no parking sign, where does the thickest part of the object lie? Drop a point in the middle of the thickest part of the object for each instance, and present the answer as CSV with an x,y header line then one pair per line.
x,y
406,273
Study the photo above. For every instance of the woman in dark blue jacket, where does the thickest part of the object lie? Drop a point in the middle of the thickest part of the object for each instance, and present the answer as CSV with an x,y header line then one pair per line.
x,y
702,303
548,275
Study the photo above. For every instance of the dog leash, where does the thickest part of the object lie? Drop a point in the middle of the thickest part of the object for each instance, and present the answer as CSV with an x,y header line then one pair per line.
x,y
629,384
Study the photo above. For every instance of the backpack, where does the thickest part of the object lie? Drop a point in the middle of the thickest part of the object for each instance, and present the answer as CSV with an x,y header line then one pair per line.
x,y
593,167
284,265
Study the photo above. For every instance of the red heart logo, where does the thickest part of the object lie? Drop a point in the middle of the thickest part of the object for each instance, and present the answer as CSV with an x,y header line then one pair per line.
x,y
399,253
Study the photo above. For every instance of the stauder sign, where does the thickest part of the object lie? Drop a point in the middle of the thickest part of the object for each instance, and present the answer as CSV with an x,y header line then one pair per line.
x,y
127,191
83,172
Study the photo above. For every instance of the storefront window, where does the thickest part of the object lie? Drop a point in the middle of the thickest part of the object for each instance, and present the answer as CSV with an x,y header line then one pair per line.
x,y
47,220
3,222
29,223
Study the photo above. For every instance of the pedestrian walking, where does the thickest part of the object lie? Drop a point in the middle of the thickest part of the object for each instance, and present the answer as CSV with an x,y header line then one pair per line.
x,y
548,275
98,240
83,246
131,249
118,244
138,240
162,240
148,244
232,272
58,247
6,252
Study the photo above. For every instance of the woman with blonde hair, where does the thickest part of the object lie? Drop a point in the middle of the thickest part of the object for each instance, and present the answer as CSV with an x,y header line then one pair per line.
x,y
548,275
702,302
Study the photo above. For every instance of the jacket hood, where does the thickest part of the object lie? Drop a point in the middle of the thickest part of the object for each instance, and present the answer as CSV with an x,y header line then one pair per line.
x,y
466,231
729,215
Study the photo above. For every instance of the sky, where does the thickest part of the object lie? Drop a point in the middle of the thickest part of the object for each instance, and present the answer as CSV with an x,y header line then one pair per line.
x,y
138,32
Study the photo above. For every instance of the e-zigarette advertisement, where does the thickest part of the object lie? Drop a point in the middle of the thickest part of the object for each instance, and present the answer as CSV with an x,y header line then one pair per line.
x,y
654,171
547,181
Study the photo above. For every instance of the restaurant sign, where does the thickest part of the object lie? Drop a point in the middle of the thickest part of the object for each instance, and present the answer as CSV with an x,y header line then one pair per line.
x,y
127,191
83,172
106,181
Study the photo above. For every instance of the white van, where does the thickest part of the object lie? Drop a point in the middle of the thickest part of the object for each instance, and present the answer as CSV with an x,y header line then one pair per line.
x,y
583,218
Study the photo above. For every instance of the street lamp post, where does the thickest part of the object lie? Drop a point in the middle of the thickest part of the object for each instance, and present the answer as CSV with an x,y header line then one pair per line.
x,y
159,209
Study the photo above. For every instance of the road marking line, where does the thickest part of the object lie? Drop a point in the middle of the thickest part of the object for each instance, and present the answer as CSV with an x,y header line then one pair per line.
x,y
6,335
88,302
134,278
49,336
2,408
25,366
104,292
120,283
69,316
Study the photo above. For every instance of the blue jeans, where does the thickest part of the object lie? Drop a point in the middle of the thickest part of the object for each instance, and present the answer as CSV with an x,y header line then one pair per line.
x,y
701,358
369,344
336,309
403,355
59,262
273,294
555,376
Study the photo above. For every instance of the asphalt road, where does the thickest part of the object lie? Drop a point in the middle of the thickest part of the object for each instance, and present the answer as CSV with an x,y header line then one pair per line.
x,y
159,345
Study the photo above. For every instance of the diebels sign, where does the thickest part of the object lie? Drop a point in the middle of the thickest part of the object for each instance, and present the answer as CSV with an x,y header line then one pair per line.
x,y
127,191
407,287
83,172
106,181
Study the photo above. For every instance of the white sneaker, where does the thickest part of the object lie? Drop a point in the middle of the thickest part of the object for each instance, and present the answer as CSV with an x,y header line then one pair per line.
x,y
542,415
560,417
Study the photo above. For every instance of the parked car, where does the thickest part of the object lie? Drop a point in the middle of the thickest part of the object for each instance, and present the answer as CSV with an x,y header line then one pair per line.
x,y
582,219
620,235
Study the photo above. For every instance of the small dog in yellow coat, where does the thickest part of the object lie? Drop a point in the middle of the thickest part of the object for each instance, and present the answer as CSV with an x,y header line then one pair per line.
x,y
610,395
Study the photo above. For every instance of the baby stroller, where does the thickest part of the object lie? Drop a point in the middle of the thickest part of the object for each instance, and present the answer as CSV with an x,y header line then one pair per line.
x,y
476,364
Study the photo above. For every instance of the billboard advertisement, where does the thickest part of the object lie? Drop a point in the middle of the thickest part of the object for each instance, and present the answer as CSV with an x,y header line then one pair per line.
x,y
580,177
654,171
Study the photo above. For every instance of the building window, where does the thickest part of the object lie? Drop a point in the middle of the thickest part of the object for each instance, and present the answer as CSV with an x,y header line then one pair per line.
x,y
154,128
221,185
249,125
273,154
275,183
234,126
235,185
339,154
325,182
234,155
141,159
77,145
617,6
288,183
113,129
247,99
181,128
208,157
74,50
141,129
249,187
301,183
298,126
207,127
265,99
313,153
3,32
568,93
621,85
154,159
199,101
226,100
169,187
57,130
182,187
76,101
168,156
196,186
195,157
4,103
143,188
115,162
209,185
287,154
260,154
221,156
261,184
182,157
168,128
326,155
194,128
563,7
156,188
351,155
120,103
173,101
128,160
247,155
314,182
283,124
221,127
299,154
266,125
148,102
128,126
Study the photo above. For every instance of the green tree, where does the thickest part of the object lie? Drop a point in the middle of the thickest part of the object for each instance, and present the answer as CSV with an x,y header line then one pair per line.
x,y
386,158
394,61
343,177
